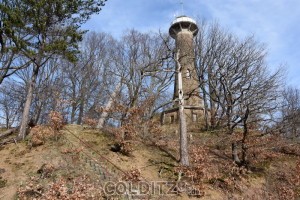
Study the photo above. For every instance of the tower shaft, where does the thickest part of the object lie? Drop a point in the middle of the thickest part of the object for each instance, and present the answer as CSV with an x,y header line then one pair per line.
x,y
183,29
190,83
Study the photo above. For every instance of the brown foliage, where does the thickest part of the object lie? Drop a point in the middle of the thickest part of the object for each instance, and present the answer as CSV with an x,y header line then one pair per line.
x,y
135,121
56,121
126,148
39,135
196,172
78,188
286,182
46,170
133,175
135,124
90,122
71,151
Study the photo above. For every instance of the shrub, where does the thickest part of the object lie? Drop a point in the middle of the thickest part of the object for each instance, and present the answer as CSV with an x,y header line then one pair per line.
x,y
90,122
39,134
56,122
133,175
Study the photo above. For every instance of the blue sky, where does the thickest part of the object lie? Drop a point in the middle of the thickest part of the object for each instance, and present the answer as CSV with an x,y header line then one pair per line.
x,y
273,22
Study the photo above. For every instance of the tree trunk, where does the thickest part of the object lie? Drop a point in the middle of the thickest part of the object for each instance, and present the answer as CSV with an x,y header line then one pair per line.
x,y
81,109
212,97
7,121
245,134
184,154
7,133
25,116
38,112
235,155
109,104
206,116
244,154
73,112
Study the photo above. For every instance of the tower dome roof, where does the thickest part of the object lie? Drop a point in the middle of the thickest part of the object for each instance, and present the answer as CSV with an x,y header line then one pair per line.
x,y
183,23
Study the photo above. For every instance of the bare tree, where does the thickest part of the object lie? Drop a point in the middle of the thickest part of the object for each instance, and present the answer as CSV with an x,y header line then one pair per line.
x,y
212,45
11,101
86,80
236,82
140,62
109,105
289,123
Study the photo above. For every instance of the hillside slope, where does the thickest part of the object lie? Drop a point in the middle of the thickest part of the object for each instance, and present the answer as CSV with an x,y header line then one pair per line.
x,y
80,162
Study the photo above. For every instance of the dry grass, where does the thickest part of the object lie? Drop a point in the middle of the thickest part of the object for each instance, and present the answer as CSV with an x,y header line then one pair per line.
x,y
55,165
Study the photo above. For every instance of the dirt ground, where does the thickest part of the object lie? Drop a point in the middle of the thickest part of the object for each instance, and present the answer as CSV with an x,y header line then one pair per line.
x,y
82,149
19,163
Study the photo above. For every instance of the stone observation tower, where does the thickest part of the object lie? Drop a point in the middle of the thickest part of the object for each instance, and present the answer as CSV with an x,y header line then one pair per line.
x,y
183,29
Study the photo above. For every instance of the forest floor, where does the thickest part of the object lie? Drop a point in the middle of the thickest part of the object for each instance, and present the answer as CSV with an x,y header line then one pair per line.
x,y
80,163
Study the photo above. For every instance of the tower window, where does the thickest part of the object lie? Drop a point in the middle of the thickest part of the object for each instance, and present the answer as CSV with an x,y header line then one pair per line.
x,y
188,73
195,119
172,119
